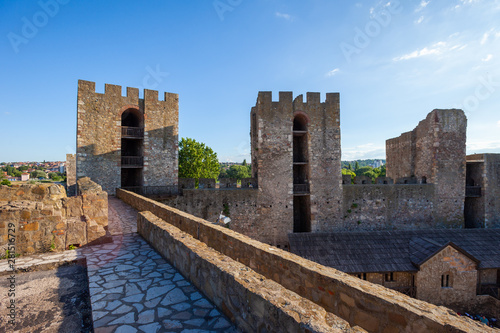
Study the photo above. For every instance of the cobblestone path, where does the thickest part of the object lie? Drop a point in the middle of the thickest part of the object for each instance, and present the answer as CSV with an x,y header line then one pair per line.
x,y
133,289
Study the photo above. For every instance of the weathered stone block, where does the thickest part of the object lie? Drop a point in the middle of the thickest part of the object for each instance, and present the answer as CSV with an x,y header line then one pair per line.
x,y
76,232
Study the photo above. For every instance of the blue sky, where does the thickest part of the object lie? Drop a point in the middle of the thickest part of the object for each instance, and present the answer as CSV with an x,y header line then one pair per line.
x,y
392,62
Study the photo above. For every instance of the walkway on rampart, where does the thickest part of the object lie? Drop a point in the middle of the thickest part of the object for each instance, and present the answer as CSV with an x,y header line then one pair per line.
x,y
133,289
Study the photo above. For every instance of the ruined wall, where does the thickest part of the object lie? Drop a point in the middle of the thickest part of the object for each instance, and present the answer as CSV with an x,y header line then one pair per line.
x,y
272,160
387,207
463,278
71,174
360,303
43,219
99,135
400,156
434,152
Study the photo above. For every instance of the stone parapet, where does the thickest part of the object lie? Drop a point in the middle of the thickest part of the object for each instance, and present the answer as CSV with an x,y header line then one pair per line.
x,y
252,301
372,307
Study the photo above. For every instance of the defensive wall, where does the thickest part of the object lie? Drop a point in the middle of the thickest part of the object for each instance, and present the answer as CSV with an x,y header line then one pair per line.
x,y
434,152
125,140
360,303
44,219
366,206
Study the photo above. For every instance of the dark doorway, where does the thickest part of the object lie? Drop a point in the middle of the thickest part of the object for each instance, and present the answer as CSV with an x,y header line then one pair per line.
x,y
132,151
301,198
301,213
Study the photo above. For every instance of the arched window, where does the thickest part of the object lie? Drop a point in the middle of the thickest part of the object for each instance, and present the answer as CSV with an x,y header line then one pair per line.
x,y
131,118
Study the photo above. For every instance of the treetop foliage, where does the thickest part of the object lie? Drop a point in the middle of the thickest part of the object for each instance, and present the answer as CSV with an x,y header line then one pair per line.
x,y
196,160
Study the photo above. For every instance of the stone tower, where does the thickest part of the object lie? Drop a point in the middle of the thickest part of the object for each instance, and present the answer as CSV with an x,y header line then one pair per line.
x,y
125,141
296,161
434,153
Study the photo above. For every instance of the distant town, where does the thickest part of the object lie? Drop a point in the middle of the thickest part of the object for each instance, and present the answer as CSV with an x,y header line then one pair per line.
x,y
32,171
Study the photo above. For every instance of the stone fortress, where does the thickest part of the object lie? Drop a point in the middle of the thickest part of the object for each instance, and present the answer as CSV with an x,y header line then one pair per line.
x,y
296,187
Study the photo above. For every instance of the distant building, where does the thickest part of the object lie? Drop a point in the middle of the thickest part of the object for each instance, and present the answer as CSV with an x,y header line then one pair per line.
x,y
25,177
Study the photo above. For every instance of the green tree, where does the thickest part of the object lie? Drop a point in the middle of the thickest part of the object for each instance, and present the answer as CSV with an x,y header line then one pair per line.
x,y
23,168
196,160
5,182
55,176
244,162
356,166
238,172
38,174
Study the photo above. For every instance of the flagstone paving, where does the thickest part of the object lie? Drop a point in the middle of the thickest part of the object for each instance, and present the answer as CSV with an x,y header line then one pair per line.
x,y
132,288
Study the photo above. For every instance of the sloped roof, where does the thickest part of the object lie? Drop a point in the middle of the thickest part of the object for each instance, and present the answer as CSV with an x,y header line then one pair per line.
x,y
394,251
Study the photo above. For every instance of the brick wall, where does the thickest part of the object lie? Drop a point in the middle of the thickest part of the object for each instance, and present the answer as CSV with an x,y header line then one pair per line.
x,y
360,303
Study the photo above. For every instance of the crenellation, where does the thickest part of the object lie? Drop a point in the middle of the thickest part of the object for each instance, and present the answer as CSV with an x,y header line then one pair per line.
x,y
285,97
151,95
313,98
133,93
112,90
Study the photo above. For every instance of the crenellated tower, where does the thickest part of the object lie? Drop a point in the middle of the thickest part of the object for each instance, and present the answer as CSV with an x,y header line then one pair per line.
x,y
296,159
125,141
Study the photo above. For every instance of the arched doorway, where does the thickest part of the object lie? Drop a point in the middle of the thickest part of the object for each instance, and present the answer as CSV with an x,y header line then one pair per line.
x,y
132,147
301,196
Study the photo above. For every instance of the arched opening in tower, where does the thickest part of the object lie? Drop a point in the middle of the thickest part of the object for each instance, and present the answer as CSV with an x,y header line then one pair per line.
x,y
301,194
132,148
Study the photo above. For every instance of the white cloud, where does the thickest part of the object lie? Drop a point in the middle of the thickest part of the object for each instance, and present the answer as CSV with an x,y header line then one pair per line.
x,y
365,151
478,146
6,113
487,35
498,123
422,5
435,49
285,16
487,58
420,20
333,72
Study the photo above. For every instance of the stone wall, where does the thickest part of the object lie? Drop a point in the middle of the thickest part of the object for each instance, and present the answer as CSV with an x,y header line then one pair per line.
x,y
253,302
492,190
99,135
372,307
382,207
462,272
434,152
71,174
43,218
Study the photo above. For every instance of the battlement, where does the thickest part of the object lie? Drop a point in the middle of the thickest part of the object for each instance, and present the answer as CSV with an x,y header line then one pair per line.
x,y
313,98
113,90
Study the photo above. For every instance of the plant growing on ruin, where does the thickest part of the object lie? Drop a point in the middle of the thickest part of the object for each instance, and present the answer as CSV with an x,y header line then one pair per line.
x,y
52,244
